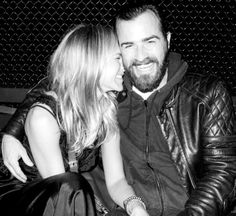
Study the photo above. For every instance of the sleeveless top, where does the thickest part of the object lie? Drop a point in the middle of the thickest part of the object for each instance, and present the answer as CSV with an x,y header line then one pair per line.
x,y
86,161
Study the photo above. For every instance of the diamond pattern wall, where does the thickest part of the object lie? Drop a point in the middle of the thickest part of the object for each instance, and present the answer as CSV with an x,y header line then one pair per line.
x,y
203,31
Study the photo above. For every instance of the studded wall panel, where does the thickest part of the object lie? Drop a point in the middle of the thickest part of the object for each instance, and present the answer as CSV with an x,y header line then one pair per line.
x,y
203,31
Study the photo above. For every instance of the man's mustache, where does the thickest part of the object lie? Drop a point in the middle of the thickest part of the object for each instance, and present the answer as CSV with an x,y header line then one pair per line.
x,y
144,61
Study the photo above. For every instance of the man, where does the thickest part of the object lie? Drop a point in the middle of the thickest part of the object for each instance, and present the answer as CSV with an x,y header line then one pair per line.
x,y
177,139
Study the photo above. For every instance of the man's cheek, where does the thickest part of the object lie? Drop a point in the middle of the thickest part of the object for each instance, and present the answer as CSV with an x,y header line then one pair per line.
x,y
126,64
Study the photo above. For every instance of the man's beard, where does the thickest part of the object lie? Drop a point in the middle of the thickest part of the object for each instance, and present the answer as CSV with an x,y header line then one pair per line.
x,y
147,83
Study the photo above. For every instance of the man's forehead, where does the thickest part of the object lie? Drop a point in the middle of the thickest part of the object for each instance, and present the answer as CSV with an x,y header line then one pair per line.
x,y
139,28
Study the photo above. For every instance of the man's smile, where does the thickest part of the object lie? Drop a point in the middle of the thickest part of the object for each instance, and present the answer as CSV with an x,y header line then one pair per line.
x,y
145,68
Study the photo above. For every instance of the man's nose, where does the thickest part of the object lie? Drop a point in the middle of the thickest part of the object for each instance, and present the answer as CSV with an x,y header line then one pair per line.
x,y
141,53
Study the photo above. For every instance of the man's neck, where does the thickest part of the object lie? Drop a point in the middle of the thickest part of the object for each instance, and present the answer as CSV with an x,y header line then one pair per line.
x,y
145,95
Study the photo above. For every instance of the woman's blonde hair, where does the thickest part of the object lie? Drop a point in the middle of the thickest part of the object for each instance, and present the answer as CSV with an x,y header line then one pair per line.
x,y
87,113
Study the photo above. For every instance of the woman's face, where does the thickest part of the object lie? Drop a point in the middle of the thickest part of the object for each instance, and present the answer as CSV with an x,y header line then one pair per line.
x,y
113,71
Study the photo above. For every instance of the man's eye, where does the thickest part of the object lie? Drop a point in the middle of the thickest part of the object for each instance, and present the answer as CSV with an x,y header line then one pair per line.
x,y
151,41
127,46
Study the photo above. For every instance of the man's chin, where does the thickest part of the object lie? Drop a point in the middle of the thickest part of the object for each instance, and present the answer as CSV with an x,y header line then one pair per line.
x,y
147,84
144,87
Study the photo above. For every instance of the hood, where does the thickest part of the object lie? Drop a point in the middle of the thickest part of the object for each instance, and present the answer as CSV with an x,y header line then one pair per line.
x,y
176,70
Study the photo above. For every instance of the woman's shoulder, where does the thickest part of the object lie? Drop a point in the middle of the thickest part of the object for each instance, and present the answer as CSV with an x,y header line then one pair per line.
x,y
47,101
42,114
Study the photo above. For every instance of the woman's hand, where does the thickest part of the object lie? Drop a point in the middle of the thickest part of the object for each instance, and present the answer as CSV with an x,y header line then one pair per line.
x,y
12,151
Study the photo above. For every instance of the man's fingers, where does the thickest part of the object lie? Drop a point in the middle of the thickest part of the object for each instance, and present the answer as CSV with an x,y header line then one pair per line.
x,y
16,172
12,151
26,159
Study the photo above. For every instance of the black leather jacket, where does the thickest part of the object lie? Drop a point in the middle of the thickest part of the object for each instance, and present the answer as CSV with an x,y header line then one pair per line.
x,y
198,121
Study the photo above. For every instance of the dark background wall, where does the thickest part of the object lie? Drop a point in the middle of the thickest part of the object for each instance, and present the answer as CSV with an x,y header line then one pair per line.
x,y
203,31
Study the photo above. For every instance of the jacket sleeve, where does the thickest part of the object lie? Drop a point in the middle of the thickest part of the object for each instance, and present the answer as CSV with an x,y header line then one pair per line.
x,y
15,126
215,190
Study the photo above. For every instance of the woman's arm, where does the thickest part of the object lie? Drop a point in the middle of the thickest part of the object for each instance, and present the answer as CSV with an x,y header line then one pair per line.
x,y
43,134
12,149
15,125
117,186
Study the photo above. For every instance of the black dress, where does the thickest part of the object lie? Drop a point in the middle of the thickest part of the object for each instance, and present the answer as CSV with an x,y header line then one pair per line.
x,y
65,194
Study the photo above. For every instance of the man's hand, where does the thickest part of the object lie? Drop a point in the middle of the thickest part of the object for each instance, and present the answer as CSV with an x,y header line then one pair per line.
x,y
138,211
12,151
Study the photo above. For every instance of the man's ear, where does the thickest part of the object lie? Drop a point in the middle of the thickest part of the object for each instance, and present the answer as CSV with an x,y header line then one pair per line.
x,y
168,37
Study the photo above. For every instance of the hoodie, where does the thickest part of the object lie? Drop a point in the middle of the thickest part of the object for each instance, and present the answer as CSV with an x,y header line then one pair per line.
x,y
147,162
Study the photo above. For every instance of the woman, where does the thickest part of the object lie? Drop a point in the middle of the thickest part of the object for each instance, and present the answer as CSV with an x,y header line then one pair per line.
x,y
75,116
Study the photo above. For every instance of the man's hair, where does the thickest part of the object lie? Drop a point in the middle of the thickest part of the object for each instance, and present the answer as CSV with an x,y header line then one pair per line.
x,y
86,113
133,9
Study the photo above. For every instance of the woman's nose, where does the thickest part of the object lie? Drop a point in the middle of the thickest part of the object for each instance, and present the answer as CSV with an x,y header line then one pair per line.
x,y
121,65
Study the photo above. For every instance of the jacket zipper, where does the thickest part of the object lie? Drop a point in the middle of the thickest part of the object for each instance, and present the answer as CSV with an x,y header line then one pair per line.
x,y
158,182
